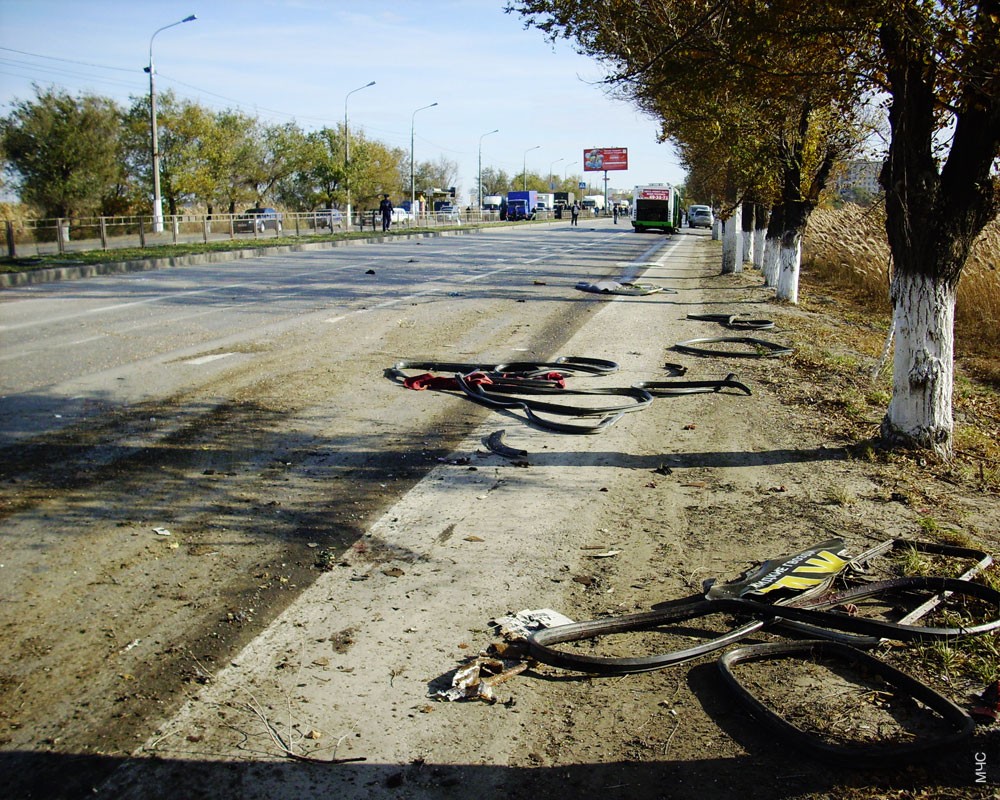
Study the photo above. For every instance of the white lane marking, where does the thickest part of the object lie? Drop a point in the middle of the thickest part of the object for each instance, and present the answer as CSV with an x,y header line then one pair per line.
x,y
207,359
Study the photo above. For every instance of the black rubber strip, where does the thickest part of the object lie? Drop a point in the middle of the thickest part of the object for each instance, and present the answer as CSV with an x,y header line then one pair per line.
x,y
827,622
640,398
670,388
540,643
981,560
722,319
591,366
816,612
734,321
859,755
597,365
569,427
494,443
559,427
764,348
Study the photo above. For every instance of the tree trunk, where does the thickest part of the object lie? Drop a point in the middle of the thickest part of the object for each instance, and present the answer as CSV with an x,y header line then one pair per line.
x,y
759,235
732,245
772,247
933,215
923,376
789,263
794,216
748,232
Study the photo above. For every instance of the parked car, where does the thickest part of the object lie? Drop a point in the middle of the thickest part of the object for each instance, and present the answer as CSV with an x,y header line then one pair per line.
x,y
449,214
326,218
257,219
700,217
402,215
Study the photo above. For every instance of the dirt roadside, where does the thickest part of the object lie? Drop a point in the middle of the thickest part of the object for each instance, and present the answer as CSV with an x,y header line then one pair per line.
x,y
692,488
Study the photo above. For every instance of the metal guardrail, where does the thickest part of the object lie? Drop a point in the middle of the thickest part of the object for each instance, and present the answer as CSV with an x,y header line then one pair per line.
x,y
58,236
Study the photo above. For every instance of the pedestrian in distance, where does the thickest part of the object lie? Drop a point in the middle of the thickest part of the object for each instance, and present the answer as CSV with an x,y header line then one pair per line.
x,y
615,214
385,209
574,213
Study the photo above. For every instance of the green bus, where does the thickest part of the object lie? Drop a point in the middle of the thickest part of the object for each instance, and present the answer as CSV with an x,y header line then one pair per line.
x,y
655,207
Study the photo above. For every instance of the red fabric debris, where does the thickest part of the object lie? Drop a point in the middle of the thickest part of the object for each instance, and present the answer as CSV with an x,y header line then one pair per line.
x,y
442,383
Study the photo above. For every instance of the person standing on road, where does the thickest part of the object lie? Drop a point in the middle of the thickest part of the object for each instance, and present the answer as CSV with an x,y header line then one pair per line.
x,y
574,213
615,213
385,208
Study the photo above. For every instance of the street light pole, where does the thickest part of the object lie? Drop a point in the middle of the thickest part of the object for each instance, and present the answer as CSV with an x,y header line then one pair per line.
x,y
413,193
481,167
151,69
551,173
524,170
347,152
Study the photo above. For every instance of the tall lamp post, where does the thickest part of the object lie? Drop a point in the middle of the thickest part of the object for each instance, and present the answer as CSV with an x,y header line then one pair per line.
x,y
552,174
151,69
524,170
481,166
347,150
413,192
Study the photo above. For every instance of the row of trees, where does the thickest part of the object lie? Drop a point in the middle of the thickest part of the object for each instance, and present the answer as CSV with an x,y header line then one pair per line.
x,y
763,97
498,181
76,156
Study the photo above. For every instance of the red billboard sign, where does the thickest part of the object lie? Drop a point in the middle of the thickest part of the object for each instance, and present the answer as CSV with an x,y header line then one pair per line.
x,y
598,159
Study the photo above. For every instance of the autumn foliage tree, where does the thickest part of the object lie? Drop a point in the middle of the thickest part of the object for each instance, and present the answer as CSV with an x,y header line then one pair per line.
x,y
936,63
64,151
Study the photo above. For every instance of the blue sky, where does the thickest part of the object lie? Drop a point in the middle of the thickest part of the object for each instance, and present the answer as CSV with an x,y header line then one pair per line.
x,y
298,59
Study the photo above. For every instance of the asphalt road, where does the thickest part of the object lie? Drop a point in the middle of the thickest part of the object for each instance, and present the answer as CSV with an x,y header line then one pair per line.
x,y
71,347
183,451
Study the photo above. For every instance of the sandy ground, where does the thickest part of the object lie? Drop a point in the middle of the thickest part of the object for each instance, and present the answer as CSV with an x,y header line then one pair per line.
x,y
692,488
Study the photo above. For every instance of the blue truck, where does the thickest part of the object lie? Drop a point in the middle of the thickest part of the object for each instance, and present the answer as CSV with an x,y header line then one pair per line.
x,y
522,205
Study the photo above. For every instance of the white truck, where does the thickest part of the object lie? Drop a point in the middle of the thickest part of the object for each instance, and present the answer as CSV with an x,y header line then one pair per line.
x,y
491,202
593,203
546,201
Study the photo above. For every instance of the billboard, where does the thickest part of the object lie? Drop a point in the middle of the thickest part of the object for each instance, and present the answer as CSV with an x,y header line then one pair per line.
x,y
598,159
652,192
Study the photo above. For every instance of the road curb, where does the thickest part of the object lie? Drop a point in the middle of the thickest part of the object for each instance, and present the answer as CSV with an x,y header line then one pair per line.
x,y
77,271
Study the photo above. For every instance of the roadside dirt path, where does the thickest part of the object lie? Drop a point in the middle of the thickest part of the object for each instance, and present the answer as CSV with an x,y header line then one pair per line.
x,y
347,671
695,487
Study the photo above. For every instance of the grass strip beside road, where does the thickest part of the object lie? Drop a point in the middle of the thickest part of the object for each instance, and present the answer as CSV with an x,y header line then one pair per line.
x,y
116,255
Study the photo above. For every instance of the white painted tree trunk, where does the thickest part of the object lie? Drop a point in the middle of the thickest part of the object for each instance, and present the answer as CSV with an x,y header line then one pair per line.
x,y
759,237
732,243
789,262
772,255
748,240
923,372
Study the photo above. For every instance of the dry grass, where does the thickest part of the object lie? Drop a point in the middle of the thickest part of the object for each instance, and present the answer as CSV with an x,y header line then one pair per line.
x,y
846,248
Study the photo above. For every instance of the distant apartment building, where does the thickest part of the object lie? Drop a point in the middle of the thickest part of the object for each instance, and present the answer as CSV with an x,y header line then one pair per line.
x,y
859,177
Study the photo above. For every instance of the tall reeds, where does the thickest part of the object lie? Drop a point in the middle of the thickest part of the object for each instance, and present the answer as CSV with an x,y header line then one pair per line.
x,y
846,247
